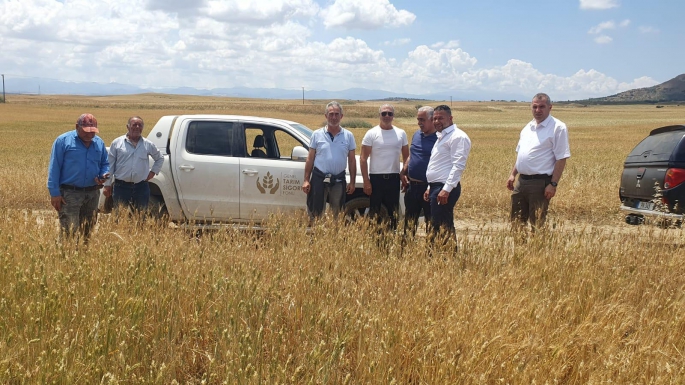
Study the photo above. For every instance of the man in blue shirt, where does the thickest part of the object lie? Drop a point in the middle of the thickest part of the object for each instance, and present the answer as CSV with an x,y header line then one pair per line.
x,y
413,174
330,150
130,167
78,168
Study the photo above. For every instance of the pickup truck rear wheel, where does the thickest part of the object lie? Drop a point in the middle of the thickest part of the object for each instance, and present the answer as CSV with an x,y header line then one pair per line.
x,y
157,207
359,207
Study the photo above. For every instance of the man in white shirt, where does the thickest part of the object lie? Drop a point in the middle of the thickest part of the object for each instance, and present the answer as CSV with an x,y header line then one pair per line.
x,y
130,167
542,151
445,168
380,166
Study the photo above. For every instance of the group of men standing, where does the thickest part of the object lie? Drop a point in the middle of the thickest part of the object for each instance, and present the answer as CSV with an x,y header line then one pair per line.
x,y
431,176
433,166
80,166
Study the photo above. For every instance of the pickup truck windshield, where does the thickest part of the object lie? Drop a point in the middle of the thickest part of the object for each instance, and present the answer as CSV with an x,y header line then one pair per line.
x,y
302,129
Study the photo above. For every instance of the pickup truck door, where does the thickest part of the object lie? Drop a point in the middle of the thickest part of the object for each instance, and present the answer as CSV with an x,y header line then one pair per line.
x,y
206,173
270,181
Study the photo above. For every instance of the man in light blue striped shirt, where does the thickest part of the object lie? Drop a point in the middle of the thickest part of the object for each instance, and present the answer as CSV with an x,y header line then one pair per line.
x,y
130,167
330,150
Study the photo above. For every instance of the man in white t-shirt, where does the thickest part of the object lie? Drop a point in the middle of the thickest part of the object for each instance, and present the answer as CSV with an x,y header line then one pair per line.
x,y
380,164
541,158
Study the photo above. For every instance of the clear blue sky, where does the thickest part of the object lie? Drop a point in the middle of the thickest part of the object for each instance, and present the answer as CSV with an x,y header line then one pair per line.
x,y
571,49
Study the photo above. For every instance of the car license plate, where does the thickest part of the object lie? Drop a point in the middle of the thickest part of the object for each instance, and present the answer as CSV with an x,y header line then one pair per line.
x,y
645,205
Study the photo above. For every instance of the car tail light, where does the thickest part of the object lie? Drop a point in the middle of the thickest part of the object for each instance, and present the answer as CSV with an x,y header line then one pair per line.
x,y
674,177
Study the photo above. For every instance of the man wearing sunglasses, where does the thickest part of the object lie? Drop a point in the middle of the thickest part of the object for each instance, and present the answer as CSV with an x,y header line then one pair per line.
x,y
379,162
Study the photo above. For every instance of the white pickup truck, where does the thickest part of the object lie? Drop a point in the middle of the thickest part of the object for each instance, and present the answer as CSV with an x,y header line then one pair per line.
x,y
226,168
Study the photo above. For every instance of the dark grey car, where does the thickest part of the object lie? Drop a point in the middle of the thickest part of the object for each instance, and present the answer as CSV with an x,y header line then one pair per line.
x,y
652,184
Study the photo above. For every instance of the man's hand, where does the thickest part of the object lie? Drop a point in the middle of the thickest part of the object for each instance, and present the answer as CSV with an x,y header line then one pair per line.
x,y
367,188
306,187
405,181
107,191
350,188
150,175
510,182
101,181
57,202
442,197
427,196
550,191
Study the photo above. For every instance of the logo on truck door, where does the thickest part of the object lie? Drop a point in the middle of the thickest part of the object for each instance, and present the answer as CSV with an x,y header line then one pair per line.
x,y
268,183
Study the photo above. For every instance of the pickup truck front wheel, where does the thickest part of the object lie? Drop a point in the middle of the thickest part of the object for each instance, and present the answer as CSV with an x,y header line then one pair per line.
x,y
157,207
359,207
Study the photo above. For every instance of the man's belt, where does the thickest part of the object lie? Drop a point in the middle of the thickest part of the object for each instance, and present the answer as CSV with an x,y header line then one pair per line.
x,y
121,182
385,176
534,176
75,188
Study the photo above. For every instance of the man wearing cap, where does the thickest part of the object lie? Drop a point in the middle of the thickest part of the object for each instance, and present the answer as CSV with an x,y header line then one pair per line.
x,y
130,167
78,168
542,151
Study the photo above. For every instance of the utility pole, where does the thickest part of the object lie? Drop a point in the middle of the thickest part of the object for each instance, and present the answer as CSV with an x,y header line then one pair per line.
x,y
303,95
450,101
3,88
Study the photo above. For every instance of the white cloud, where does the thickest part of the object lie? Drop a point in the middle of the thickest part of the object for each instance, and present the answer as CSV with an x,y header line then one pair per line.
x,y
603,39
641,82
258,11
648,29
598,4
365,14
397,42
449,45
602,26
215,44
606,25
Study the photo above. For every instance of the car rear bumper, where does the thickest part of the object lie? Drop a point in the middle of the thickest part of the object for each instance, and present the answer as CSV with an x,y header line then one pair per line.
x,y
651,213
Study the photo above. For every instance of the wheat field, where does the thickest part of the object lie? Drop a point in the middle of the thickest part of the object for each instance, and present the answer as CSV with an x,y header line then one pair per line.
x,y
588,300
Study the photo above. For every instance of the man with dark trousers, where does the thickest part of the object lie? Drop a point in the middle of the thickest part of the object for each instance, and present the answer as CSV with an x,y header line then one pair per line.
x,y
380,165
413,174
130,167
331,149
445,168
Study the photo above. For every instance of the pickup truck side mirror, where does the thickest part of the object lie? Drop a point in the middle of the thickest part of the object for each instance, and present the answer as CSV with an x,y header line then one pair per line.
x,y
299,153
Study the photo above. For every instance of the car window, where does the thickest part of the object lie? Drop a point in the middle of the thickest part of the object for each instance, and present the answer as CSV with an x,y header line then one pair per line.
x,y
264,141
210,138
285,143
657,147
304,130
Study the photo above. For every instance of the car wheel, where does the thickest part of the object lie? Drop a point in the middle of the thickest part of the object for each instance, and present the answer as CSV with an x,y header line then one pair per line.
x,y
359,208
157,208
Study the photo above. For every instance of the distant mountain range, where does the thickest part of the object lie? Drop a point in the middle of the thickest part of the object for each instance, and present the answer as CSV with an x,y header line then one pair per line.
x,y
672,91
56,87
